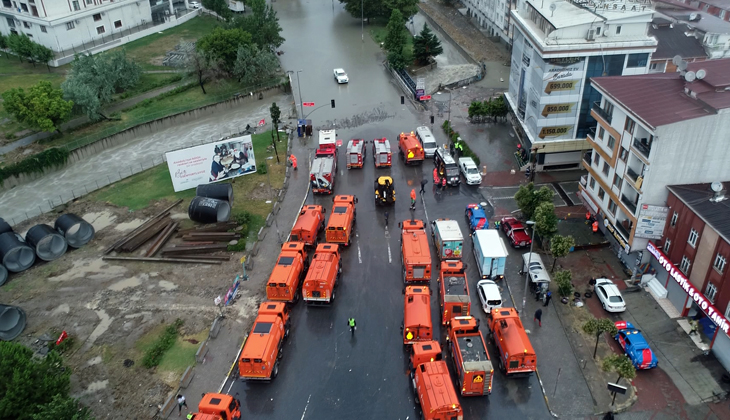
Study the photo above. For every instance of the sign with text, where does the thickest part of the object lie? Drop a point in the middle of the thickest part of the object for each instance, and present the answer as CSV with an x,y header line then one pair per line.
x,y
556,131
564,61
425,97
560,86
557,109
611,228
308,103
651,221
212,162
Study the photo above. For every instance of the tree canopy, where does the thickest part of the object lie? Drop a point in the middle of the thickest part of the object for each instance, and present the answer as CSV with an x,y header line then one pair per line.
x,y
202,66
380,8
621,364
253,65
220,7
560,246
546,222
42,107
597,327
222,45
395,39
528,198
62,407
426,45
262,23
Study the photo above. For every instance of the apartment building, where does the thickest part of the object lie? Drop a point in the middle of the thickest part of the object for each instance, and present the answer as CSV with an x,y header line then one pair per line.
x,y
654,130
673,41
493,15
557,47
719,8
691,260
713,32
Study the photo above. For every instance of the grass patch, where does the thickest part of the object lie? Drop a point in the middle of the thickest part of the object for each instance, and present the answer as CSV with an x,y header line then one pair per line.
x,y
182,353
153,354
379,31
150,81
138,191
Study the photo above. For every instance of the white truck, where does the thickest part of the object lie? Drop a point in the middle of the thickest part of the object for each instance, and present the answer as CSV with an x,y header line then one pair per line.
x,y
236,6
490,253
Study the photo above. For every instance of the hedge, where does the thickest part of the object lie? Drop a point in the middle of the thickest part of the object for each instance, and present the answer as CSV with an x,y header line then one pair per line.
x,y
454,136
36,163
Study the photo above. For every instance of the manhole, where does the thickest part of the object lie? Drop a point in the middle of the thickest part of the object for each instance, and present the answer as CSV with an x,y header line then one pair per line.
x,y
128,362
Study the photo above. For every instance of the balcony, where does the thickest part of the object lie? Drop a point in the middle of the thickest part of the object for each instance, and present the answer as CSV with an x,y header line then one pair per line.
x,y
643,147
587,157
630,204
601,113
625,231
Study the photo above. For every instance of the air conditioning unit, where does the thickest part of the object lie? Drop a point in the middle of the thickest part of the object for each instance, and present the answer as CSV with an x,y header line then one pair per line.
x,y
591,35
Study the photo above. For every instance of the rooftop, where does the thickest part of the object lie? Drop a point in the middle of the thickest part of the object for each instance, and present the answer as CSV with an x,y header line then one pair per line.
x,y
569,13
705,22
672,41
697,197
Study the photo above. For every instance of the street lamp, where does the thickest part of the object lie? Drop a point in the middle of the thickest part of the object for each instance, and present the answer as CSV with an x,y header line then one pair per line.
x,y
299,86
449,119
527,271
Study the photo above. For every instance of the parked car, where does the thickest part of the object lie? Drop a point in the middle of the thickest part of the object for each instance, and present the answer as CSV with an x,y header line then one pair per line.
x,y
475,217
609,296
635,346
515,231
341,76
194,5
470,171
489,295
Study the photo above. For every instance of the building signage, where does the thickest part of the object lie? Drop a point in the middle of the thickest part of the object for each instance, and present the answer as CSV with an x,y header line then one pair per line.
x,y
557,109
651,221
621,241
564,61
561,85
555,131
701,301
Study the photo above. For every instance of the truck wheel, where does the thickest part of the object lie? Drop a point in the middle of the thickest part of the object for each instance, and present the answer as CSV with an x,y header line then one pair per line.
x,y
287,329
281,353
275,372
334,294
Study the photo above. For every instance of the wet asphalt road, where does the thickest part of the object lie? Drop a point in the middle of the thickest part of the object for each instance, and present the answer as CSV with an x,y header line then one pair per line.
x,y
326,373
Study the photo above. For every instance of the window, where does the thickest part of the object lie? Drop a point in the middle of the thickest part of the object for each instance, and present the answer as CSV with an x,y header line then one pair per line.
x,y
97,17
596,158
673,222
601,132
26,25
43,29
667,245
29,35
100,30
719,263
692,240
630,125
34,10
637,60
618,30
608,108
684,265
598,30
652,66
711,292
6,3
605,168
624,154
612,207
611,142
601,193
617,181
76,5
24,7
69,26
89,1
118,24
592,183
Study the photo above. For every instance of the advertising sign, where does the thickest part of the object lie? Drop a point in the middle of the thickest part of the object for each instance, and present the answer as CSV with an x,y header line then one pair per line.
x,y
557,109
211,162
560,86
617,236
555,131
651,221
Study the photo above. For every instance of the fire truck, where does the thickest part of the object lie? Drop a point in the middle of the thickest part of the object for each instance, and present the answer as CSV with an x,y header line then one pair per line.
x,y
322,175
218,406
323,275
290,268
355,153
309,225
469,354
381,153
410,149
342,220
327,145
516,355
432,384
454,291
263,348
417,315
415,253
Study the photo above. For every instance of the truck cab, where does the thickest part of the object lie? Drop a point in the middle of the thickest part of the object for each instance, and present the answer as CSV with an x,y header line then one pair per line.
x,y
355,153
342,220
447,167
308,226
415,252
323,275
262,350
490,254
287,275
516,355
410,149
454,291
469,354
417,315
448,239
322,175
218,406
327,145
432,384
382,155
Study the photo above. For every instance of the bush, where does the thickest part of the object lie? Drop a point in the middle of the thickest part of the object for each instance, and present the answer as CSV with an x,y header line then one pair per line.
x,y
261,170
564,280
243,219
454,136
36,163
153,355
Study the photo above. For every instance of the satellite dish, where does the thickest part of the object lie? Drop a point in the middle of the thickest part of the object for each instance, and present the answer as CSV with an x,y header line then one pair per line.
x,y
716,186
683,65
701,73
692,16
553,7
676,60
690,76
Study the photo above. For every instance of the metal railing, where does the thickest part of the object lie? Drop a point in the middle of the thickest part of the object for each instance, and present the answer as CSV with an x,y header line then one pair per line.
x,y
629,204
622,230
631,174
643,148
601,112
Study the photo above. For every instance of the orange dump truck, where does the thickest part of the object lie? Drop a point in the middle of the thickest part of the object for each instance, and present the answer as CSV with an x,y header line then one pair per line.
x,y
323,275
410,149
454,291
263,349
432,384
342,219
415,254
469,354
287,275
310,223
516,355
218,406
417,315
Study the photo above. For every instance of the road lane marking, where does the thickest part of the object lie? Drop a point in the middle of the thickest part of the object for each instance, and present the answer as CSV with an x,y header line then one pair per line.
x,y
359,254
425,210
305,407
390,258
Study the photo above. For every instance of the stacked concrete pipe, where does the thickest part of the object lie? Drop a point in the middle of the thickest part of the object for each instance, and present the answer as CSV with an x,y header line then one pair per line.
x,y
4,228
12,322
47,242
77,231
15,254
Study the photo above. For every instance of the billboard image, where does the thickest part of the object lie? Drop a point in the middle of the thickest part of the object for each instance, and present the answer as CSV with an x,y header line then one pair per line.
x,y
211,162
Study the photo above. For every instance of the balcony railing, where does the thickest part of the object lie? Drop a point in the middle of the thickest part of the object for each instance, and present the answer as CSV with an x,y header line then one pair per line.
x,y
631,174
587,157
629,204
601,113
643,148
620,227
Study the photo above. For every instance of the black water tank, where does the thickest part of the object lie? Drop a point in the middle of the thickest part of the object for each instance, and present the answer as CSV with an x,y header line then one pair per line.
x,y
77,231
5,226
15,254
209,210
48,243
223,191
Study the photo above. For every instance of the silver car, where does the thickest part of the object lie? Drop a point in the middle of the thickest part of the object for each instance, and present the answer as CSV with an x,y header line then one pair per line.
x,y
341,76
609,296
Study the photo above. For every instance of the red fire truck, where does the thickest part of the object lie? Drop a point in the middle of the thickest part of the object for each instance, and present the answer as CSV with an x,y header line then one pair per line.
x,y
327,144
322,175
381,153
355,153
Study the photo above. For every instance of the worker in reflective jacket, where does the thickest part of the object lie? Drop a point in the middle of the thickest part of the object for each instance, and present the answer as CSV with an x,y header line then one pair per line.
x,y
352,325
293,160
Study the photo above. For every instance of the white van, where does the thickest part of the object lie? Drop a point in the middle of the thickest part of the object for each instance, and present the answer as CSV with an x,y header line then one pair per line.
x,y
428,141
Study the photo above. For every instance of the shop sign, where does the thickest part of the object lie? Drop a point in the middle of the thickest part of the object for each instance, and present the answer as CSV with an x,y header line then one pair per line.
x,y
564,61
557,109
556,86
651,221
700,299
621,241
555,131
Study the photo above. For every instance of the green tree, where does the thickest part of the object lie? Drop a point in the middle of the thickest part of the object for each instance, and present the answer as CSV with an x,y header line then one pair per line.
x,y
263,25
559,247
426,45
528,198
62,408
397,59
202,66
371,9
396,33
598,327
41,54
253,65
42,107
621,365
275,113
220,7
546,222
499,108
3,41
407,8
20,45
564,280
222,45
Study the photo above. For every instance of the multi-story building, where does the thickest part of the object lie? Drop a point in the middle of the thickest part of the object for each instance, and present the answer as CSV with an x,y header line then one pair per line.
x,y
493,15
673,41
654,130
691,260
713,32
719,8
557,47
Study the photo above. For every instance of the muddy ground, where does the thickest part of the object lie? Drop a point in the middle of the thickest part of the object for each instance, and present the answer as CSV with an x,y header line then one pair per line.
x,y
108,307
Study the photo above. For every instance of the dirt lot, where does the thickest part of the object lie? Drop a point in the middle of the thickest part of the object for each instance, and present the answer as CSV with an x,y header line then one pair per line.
x,y
114,309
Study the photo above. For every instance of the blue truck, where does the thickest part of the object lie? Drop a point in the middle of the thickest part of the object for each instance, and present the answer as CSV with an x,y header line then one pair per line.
x,y
490,253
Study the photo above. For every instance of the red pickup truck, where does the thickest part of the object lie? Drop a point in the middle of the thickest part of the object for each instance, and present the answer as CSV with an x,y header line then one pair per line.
x,y
515,231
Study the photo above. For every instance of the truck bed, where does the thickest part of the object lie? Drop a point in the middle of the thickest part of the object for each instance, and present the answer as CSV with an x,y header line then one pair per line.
x,y
454,289
473,353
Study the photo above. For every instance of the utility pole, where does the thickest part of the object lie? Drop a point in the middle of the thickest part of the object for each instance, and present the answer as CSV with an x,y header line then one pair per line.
x,y
527,271
299,86
362,20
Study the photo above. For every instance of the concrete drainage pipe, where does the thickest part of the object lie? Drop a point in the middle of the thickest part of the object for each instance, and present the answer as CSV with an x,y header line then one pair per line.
x,y
15,254
12,322
77,231
3,274
48,243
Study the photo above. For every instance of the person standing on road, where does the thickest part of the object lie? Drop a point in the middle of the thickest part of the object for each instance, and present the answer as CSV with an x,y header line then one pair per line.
x,y
548,296
443,183
386,219
413,199
352,325
424,181
180,403
538,317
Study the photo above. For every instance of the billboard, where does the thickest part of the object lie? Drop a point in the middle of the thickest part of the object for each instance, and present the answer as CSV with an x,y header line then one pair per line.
x,y
211,162
651,221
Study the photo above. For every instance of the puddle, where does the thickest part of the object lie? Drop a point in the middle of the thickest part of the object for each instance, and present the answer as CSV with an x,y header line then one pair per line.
x,y
132,224
96,386
126,283
91,269
95,361
100,220
61,309
105,322
167,285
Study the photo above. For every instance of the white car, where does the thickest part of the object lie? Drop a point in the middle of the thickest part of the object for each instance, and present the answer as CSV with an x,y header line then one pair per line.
x,y
470,171
609,296
341,76
489,295
194,5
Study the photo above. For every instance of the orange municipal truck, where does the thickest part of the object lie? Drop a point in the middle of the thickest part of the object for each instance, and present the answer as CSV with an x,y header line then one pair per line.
x,y
469,354
454,291
432,384
410,149
417,315
342,219
308,226
415,254
323,275
263,349
516,355
290,268
218,406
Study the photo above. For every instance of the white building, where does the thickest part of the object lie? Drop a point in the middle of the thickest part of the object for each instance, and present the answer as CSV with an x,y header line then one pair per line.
x,y
713,32
494,15
652,131
557,46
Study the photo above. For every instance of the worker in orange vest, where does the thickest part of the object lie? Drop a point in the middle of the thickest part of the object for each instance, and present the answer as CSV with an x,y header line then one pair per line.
x,y
436,178
413,199
588,215
293,160
595,226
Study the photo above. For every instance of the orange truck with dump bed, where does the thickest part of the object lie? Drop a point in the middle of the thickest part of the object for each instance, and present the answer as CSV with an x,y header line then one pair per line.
x,y
287,275
310,223
218,406
410,149
454,291
516,355
474,371
342,219
415,254
323,275
417,315
263,348
432,384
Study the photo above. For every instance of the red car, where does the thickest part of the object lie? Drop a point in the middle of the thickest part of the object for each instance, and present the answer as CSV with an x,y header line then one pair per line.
x,y
515,232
